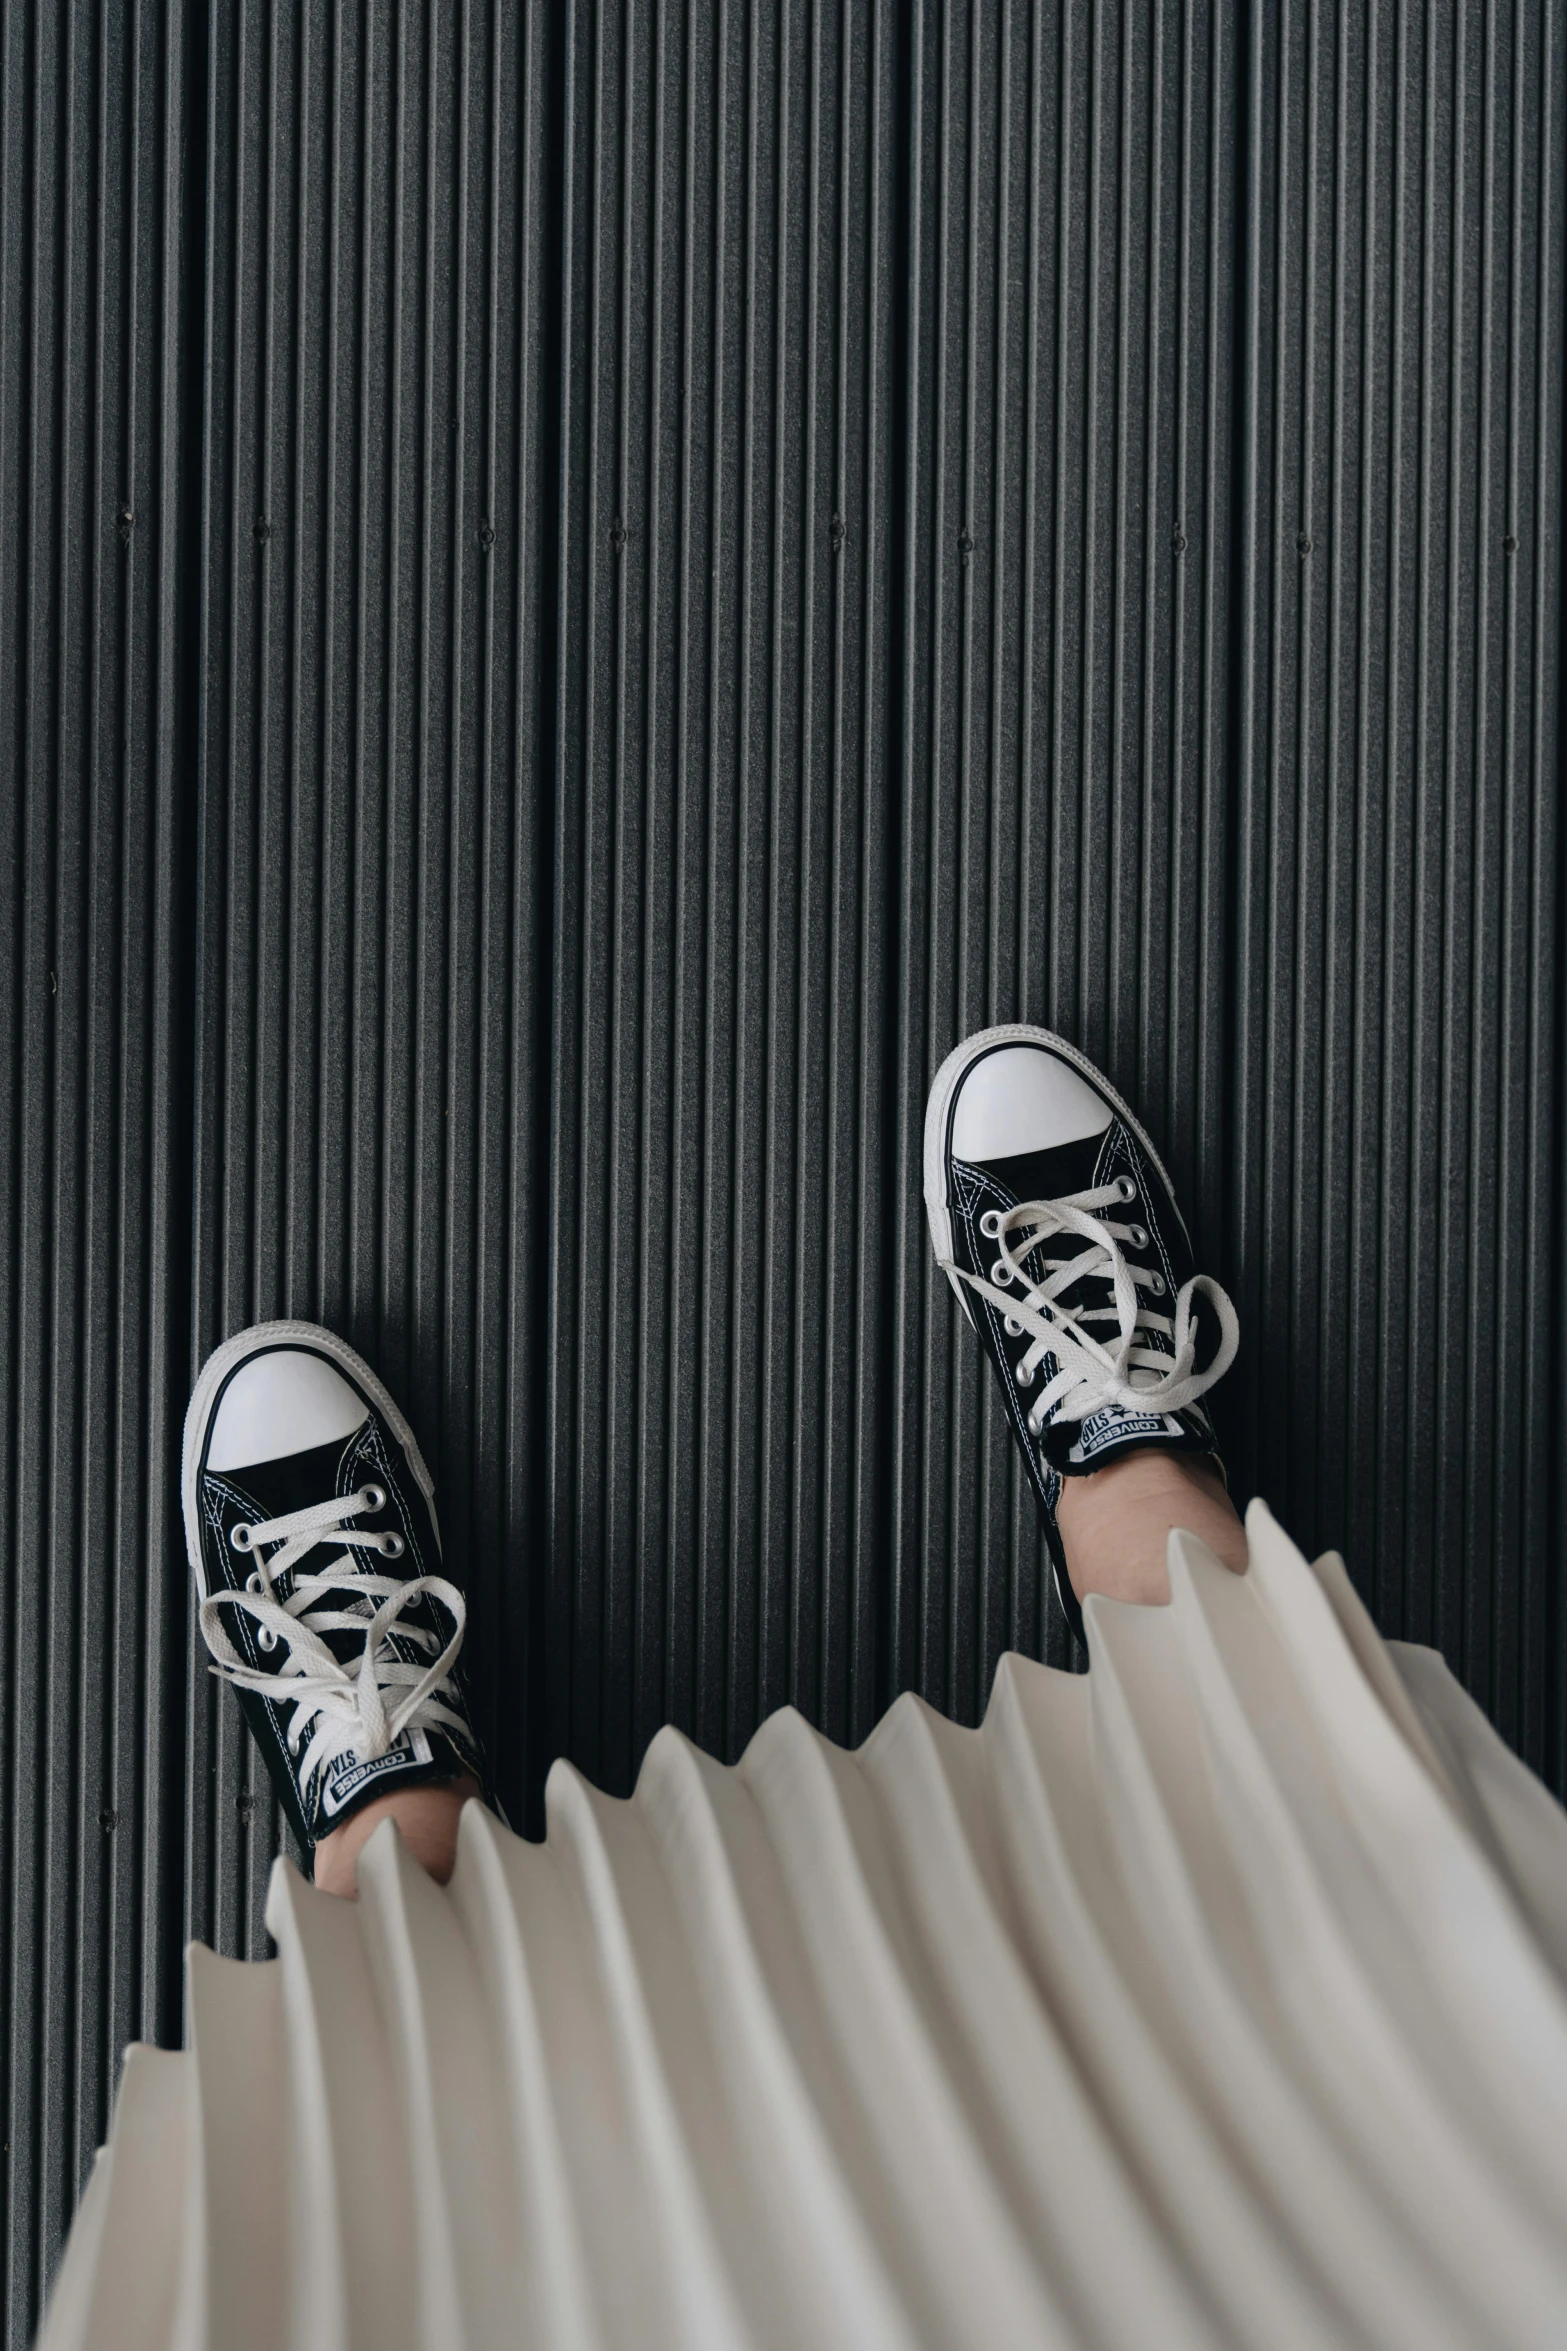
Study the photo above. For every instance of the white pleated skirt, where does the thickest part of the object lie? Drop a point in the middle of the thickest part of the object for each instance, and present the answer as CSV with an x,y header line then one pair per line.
x,y
1216,1997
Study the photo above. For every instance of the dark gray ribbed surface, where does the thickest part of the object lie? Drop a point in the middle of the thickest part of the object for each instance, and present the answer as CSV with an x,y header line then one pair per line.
x,y
681,559
1064,680
92,1164
1395,1157
369,1089
722,876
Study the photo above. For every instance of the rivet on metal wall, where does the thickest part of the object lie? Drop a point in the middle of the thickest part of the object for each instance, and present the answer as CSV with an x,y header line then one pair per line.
x,y
1304,544
486,536
618,534
1179,542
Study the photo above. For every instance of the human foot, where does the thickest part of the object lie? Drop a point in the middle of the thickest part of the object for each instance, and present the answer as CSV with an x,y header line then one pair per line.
x,y
310,1524
1056,1224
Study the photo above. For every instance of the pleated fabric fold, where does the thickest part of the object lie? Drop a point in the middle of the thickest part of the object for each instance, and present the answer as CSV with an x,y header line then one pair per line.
x,y
1215,1998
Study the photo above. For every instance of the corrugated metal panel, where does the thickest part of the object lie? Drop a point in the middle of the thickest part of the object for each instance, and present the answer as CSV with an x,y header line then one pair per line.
x,y
1399,1102
1065,676
721,875
373,849
92,129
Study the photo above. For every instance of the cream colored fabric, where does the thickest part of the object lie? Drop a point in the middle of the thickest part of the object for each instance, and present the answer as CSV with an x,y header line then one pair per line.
x,y
1216,1997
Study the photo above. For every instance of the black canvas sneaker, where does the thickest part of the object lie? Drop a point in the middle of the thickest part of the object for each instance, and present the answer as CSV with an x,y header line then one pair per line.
x,y
310,1523
1055,1223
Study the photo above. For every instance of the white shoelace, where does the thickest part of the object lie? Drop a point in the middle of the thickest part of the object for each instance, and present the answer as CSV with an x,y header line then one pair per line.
x,y
347,1712
1127,1372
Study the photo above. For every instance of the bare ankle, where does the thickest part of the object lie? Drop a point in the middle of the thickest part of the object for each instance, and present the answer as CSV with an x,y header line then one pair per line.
x,y
426,1820
1116,1523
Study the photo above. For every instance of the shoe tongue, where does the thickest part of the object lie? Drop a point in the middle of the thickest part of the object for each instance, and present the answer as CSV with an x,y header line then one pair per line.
x,y
297,1482
1050,1175
1078,1447
1073,1447
1057,1174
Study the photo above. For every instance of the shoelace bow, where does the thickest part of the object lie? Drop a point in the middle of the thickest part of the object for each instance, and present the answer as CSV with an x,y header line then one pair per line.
x,y
1093,1374
348,1708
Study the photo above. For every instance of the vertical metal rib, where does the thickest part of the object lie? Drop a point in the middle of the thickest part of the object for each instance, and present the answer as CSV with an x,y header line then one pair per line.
x,y
720,871
1064,789
1395,1097
371,892
91,491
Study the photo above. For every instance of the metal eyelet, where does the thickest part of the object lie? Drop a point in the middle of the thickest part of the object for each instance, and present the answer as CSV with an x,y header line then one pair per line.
x,y
1024,1379
373,1497
990,1223
1001,1274
239,1536
1125,1186
1139,1236
264,1638
1012,1327
392,1546
1156,1286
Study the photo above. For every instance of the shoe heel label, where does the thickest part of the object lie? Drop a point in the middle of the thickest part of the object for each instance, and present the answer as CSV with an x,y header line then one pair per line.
x,y
414,1748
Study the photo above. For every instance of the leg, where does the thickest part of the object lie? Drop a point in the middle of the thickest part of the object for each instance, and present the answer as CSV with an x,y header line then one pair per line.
x,y
426,1821
1115,1524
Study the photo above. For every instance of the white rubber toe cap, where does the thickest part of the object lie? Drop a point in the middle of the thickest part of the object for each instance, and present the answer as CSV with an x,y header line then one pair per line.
x,y
1021,1098
284,1401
